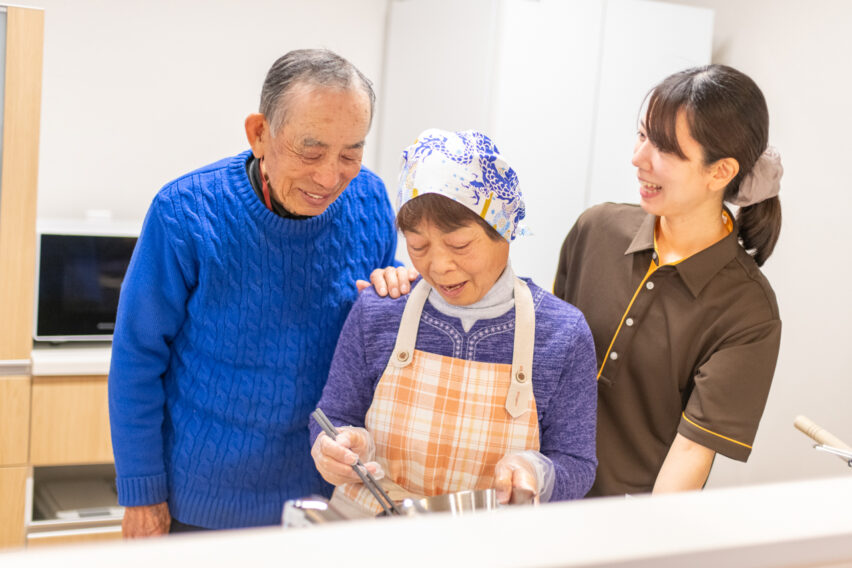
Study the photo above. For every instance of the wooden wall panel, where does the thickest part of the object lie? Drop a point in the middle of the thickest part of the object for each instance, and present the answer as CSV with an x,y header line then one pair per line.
x,y
14,420
13,483
70,421
19,181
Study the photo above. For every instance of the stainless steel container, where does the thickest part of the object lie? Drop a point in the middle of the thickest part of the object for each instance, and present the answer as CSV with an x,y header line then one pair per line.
x,y
313,510
458,503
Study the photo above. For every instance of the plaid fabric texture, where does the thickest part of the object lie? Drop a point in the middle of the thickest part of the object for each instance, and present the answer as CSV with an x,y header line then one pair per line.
x,y
440,425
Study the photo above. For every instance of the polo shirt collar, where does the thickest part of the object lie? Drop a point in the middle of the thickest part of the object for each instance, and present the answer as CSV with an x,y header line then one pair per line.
x,y
644,237
697,270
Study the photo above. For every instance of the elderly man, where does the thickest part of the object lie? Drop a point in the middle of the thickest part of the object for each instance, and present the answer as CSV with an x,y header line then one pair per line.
x,y
232,304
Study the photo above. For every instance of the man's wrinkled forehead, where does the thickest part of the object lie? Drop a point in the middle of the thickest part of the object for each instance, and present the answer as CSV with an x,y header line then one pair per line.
x,y
284,112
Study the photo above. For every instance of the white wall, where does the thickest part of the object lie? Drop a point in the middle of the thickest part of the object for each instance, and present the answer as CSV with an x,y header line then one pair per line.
x,y
136,93
798,52
558,85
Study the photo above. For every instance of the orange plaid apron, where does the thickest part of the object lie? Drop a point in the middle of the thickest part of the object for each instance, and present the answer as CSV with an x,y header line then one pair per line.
x,y
441,424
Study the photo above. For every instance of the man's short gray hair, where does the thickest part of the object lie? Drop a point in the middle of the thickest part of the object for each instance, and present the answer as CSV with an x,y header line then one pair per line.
x,y
311,67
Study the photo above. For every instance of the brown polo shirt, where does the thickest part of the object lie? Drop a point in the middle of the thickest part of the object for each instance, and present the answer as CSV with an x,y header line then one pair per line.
x,y
689,348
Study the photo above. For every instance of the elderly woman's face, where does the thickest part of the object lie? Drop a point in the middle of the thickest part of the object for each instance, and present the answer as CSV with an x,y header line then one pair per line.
x,y
461,265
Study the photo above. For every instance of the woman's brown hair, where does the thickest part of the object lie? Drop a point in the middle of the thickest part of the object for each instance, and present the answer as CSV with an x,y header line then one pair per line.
x,y
443,212
727,115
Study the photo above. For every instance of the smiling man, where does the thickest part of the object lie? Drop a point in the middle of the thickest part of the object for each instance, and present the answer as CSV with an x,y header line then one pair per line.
x,y
232,304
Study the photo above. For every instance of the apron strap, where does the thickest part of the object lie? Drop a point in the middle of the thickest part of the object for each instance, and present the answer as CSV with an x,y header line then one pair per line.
x,y
407,336
521,391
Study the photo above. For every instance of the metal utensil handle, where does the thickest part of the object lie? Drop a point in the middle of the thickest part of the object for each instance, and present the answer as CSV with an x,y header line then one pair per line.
x,y
367,478
840,452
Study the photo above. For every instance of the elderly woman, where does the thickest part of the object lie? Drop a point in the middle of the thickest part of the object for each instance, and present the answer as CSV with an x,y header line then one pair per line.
x,y
476,379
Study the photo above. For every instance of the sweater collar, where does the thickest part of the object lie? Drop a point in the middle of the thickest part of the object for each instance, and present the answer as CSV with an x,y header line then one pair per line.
x,y
241,186
496,302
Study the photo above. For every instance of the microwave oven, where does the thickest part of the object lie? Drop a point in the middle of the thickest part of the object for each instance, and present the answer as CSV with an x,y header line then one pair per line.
x,y
79,270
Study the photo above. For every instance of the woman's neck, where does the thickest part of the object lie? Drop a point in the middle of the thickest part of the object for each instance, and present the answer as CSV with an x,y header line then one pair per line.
x,y
680,237
496,302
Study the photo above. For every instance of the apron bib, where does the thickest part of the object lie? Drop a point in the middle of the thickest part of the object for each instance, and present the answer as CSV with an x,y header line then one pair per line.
x,y
441,424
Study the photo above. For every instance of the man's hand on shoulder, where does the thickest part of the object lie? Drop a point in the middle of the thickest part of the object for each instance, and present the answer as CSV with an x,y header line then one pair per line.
x,y
393,280
147,520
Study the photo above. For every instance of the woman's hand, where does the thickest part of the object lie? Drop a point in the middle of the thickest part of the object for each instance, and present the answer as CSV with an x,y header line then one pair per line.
x,y
334,458
394,280
524,476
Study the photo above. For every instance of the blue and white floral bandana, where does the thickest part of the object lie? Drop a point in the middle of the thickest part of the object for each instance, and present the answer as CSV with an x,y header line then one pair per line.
x,y
468,168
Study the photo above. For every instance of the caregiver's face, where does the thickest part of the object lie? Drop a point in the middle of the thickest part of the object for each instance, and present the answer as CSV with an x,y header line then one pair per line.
x,y
671,186
462,265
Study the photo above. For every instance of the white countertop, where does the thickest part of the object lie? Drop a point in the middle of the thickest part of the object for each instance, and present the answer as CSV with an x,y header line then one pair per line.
x,y
788,524
72,358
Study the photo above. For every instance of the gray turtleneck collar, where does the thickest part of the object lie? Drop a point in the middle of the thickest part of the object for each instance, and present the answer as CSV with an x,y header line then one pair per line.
x,y
496,302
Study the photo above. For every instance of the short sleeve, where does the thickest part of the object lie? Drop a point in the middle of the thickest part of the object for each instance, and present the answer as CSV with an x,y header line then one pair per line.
x,y
731,388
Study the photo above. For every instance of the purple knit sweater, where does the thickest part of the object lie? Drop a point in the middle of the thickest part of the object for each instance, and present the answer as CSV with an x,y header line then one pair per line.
x,y
564,382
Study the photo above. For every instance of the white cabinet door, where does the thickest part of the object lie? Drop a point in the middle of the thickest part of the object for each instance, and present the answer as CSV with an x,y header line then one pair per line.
x,y
643,43
437,74
543,117
557,84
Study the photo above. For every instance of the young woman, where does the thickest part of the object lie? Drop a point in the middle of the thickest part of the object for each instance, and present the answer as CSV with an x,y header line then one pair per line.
x,y
686,326
477,378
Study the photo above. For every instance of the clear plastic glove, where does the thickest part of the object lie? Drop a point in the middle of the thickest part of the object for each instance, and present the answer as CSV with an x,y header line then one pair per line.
x,y
525,473
334,458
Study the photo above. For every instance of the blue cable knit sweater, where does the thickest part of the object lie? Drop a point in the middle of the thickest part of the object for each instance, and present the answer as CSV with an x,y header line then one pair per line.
x,y
226,326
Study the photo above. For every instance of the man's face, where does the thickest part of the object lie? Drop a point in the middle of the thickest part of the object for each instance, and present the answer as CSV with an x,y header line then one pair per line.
x,y
318,150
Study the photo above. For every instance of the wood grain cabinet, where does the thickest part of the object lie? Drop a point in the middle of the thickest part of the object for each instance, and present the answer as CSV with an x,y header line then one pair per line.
x,y
15,416
20,110
69,439
45,422
70,421
14,462
13,495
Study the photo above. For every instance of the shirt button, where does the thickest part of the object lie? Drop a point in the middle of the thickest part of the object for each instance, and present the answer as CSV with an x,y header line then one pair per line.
x,y
613,355
649,285
629,322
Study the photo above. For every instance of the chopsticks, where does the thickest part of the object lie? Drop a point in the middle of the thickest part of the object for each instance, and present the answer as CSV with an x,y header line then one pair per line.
x,y
367,478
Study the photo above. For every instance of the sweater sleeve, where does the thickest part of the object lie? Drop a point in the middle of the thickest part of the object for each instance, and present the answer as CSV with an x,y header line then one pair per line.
x,y
568,426
151,310
348,393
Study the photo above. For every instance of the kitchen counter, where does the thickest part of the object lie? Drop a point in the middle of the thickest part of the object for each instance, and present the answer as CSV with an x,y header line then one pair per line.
x,y
788,524
72,358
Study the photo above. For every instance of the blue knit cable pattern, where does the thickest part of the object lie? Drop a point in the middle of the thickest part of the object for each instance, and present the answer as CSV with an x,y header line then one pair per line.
x,y
248,362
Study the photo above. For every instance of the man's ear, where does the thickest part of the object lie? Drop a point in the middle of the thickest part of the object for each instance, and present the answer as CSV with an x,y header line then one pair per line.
x,y
257,132
723,171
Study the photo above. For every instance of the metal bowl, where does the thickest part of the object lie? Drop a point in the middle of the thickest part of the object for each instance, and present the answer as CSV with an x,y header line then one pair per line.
x,y
458,503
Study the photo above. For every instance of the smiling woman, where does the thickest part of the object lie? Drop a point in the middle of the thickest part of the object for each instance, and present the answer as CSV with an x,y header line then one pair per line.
x,y
455,251
476,379
686,326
